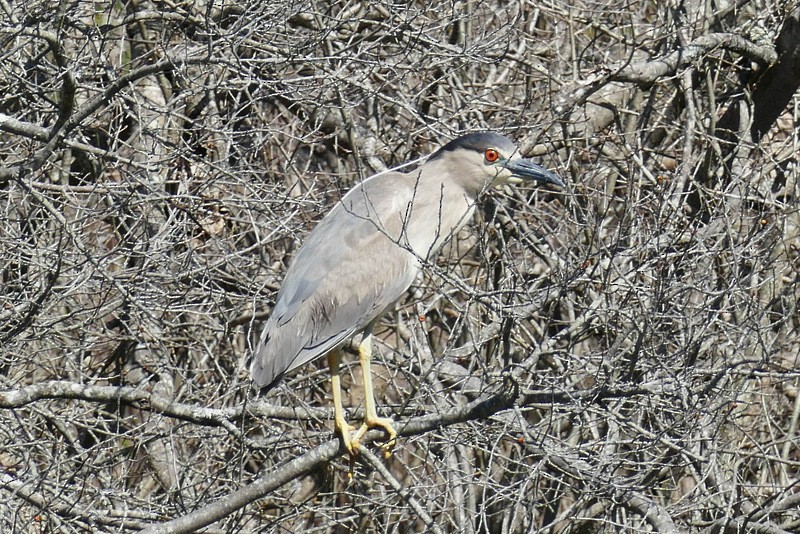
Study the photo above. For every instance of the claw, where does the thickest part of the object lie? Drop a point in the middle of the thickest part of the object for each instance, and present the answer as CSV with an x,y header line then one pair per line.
x,y
345,432
383,423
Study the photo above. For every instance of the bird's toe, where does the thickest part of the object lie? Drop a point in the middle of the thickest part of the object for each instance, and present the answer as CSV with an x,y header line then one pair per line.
x,y
384,423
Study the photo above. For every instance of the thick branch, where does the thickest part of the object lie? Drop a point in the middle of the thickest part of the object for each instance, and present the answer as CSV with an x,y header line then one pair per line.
x,y
315,458
142,399
202,415
648,72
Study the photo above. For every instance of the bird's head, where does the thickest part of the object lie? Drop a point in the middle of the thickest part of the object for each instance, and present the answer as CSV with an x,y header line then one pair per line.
x,y
481,160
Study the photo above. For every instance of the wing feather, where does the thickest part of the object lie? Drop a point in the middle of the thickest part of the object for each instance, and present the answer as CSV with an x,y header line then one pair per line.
x,y
348,273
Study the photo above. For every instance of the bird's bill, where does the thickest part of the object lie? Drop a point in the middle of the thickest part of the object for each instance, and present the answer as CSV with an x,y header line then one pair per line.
x,y
528,170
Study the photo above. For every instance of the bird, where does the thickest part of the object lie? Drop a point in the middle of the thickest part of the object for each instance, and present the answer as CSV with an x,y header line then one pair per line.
x,y
365,253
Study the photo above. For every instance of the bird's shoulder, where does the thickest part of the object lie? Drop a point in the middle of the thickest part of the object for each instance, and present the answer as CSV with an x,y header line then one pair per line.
x,y
380,195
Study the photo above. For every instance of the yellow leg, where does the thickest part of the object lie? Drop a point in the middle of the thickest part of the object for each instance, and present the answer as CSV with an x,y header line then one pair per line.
x,y
339,422
372,420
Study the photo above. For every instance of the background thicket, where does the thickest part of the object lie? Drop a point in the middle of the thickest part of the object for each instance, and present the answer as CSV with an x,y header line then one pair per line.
x,y
618,356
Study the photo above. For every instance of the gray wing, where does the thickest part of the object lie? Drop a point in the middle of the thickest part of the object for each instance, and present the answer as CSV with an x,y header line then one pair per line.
x,y
349,271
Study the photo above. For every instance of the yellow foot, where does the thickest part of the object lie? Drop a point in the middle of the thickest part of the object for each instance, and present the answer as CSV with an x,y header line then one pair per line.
x,y
379,422
350,441
345,432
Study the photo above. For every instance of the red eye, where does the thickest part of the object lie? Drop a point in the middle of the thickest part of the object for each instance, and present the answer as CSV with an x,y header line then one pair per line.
x,y
491,155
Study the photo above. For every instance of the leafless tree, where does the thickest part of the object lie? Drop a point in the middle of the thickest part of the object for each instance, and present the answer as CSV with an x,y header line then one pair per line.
x,y
621,356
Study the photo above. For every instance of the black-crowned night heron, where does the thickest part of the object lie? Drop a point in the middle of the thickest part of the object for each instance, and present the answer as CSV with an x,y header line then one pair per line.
x,y
366,252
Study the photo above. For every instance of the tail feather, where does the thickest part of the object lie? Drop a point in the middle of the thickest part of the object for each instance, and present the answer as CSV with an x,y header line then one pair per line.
x,y
268,367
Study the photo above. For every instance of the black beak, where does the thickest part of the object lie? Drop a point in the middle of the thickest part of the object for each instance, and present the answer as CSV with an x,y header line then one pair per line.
x,y
528,170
